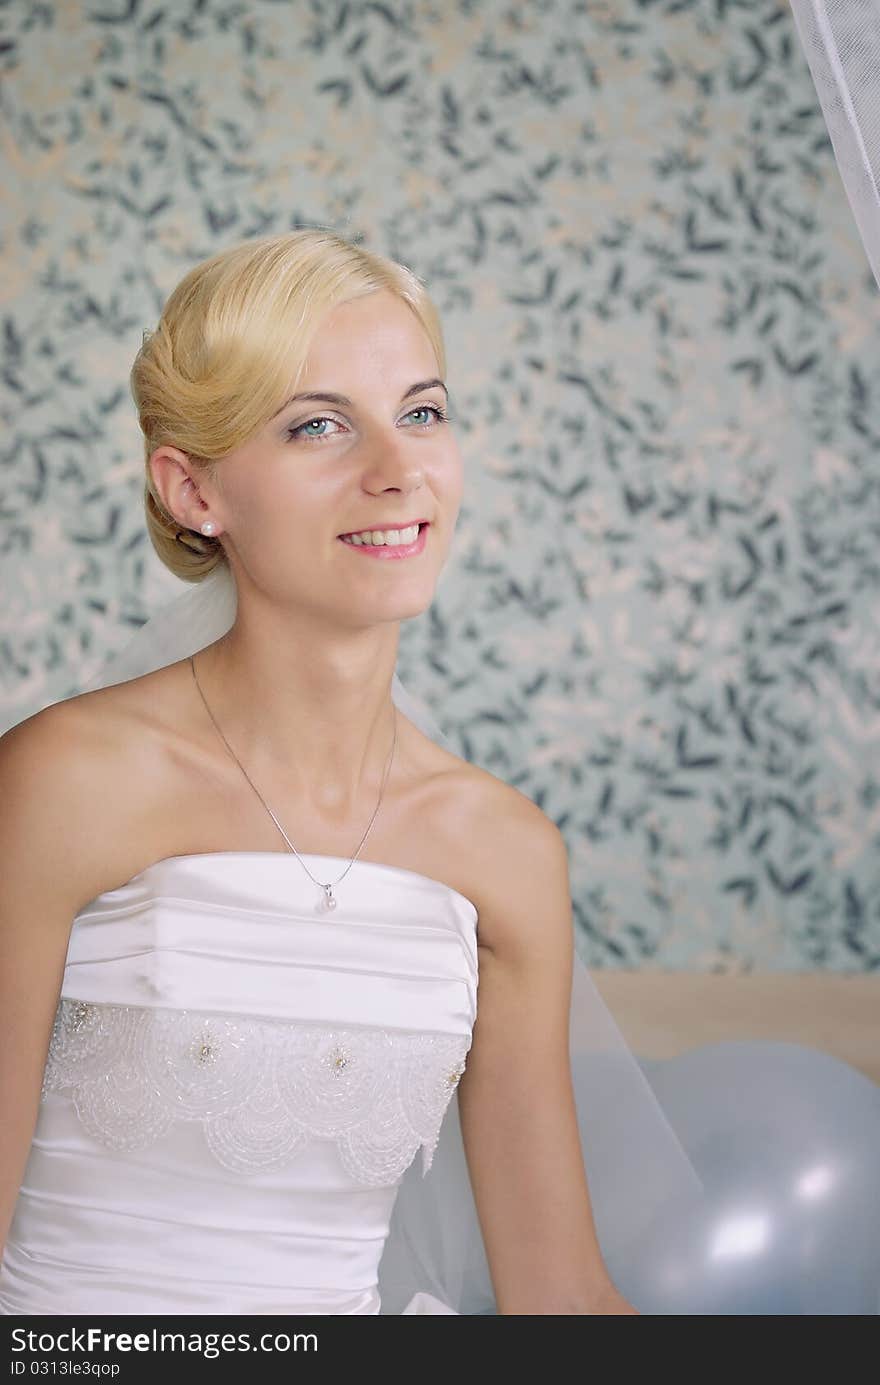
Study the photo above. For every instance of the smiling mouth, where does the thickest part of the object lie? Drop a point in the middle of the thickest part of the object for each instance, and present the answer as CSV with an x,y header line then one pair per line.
x,y
408,547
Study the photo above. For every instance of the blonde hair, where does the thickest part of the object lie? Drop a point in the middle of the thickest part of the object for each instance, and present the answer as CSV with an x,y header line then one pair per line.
x,y
230,344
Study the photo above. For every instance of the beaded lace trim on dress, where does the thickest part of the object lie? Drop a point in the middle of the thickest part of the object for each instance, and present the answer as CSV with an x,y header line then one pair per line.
x,y
260,1088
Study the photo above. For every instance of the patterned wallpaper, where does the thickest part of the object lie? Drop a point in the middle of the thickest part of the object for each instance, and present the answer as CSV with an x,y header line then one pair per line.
x,y
660,617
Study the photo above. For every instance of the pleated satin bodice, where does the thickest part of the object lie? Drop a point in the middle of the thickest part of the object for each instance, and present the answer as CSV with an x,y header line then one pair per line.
x,y
236,1084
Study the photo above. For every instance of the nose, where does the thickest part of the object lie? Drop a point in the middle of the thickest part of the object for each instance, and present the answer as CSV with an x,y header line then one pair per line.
x,y
393,465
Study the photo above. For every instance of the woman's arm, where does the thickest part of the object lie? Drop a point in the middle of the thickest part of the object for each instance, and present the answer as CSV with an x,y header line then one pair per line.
x,y
516,1101
53,849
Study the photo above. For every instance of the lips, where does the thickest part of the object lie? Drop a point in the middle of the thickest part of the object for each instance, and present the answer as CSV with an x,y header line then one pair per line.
x,y
383,552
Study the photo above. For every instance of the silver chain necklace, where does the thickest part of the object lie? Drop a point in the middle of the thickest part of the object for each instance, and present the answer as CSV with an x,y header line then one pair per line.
x,y
328,899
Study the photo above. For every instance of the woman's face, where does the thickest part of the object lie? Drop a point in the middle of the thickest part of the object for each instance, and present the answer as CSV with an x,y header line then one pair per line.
x,y
381,458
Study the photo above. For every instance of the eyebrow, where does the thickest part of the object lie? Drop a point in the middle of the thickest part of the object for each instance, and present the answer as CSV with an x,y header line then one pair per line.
x,y
325,397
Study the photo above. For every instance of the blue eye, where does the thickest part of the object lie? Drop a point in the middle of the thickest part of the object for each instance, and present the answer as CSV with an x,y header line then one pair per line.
x,y
293,432
440,416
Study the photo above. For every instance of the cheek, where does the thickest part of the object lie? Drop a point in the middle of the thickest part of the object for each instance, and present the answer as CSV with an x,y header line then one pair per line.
x,y
448,475
456,492
278,528
302,506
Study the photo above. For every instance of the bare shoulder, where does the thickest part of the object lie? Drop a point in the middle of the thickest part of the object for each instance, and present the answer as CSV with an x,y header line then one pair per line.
x,y
503,808
66,776
516,859
46,784
55,746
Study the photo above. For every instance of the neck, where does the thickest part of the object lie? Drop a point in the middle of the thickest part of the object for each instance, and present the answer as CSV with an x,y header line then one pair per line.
x,y
305,710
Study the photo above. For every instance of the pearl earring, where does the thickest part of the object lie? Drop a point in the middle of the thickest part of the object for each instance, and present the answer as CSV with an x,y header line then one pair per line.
x,y
208,527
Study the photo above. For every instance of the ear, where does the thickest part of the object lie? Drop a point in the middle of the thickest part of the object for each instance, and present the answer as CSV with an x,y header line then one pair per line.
x,y
181,487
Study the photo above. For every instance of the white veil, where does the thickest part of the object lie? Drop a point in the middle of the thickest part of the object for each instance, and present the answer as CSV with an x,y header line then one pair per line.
x,y
841,41
643,1186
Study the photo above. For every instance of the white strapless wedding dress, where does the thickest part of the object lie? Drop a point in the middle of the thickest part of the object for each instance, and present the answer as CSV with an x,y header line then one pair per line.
x,y
236,1084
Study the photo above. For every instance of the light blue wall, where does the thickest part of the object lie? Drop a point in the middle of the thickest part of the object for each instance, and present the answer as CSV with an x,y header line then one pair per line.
x,y
660,619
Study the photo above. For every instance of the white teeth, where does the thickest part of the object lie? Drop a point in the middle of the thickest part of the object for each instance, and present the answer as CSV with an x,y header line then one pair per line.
x,y
377,537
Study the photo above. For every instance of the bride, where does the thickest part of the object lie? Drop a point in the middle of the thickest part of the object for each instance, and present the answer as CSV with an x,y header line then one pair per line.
x,y
246,899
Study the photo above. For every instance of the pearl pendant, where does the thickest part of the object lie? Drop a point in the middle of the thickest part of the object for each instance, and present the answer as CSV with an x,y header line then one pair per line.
x,y
328,902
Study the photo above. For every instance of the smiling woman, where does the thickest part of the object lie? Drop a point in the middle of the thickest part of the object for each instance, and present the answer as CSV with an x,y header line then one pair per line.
x,y
228,1061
